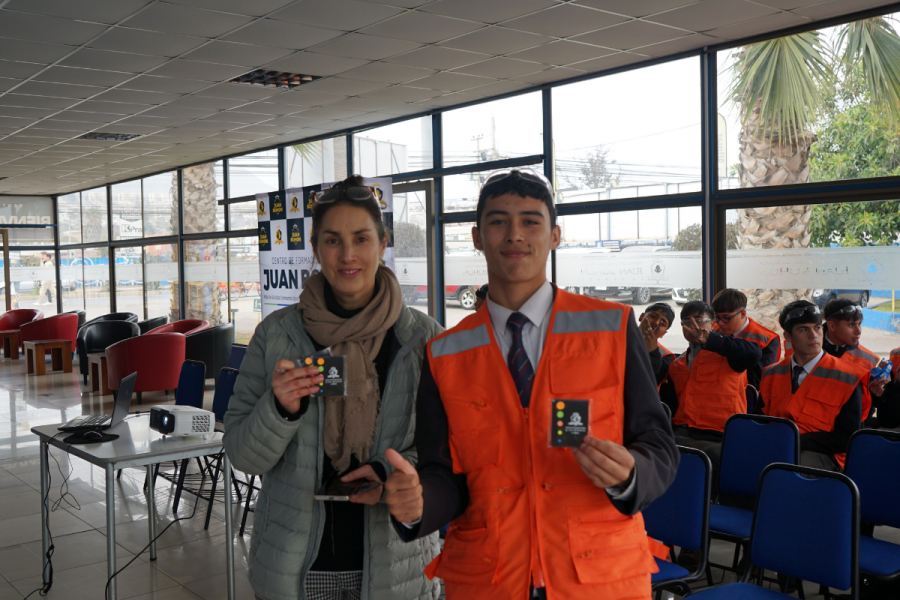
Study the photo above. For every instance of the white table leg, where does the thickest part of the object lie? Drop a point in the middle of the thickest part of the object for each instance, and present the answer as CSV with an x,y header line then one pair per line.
x,y
45,509
111,528
151,511
229,527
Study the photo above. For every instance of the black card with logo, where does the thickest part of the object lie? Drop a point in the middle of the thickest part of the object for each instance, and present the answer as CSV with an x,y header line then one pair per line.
x,y
569,422
332,367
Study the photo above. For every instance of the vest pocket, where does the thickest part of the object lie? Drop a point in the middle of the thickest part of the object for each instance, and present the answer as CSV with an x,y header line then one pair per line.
x,y
709,372
606,546
579,374
471,551
475,449
821,406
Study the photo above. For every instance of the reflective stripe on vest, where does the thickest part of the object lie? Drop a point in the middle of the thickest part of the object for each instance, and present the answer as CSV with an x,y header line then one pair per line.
x,y
532,513
818,400
709,392
753,337
663,351
860,352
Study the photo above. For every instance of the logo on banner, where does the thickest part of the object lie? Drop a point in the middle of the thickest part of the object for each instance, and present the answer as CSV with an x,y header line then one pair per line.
x,y
310,199
276,206
295,204
295,234
262,209
657,270
278,239
265,243
379,195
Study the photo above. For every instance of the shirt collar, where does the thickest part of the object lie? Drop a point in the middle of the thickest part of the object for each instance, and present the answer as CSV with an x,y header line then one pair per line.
x,y
535,308
808,367
746,322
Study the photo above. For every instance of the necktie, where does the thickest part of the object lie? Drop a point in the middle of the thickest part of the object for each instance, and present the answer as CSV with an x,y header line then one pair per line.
x,y
795,379
519,366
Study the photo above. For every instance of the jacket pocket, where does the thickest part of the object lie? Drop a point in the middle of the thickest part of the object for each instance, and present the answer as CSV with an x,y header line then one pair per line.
x,y
822,406
607,546
579,375
471,553
475,449
709,371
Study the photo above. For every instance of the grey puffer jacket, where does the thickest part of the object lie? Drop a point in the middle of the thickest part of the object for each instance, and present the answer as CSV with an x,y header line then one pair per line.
x,y
288,523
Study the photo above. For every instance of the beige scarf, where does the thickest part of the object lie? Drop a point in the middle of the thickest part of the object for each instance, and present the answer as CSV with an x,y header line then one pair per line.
x,y
350,420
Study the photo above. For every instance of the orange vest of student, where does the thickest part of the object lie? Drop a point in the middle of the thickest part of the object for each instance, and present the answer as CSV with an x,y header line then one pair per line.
x,y
818,400
895,359
533,515
663,351
788,349
759,335
709,392
866,360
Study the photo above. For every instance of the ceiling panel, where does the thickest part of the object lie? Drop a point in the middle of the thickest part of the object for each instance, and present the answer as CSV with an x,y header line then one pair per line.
x,y
561,53
565,20
712,15
835,8
42,28
21,111
154,43
389,73
346,15
310,63
369,47
115,108
632,34
401,93
203,102
83,76
501,68
186,20
768,23
58,90
451,82
105,60
497,40
136,97
192,69
422,27
554,74
437,57
636,8
239,91
99,11
496,88
363,104
171,85
257,8
690,42
237,116
340,86
35,52
487,12
19,70
7,84
610,62
86,117
230,53
282,34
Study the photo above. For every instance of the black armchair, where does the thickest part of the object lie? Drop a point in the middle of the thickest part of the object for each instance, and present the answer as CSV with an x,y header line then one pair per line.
x,y
122,316
82,316
211,346
97,336
151,324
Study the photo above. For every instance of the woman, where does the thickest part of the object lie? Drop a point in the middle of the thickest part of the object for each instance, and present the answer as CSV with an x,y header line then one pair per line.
x,y
301,547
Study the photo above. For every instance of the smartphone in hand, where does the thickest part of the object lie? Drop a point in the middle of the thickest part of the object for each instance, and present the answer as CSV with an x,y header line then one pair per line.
x,y
339,491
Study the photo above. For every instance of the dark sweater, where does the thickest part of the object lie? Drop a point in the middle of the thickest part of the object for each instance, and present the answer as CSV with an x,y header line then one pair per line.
x,y
343,541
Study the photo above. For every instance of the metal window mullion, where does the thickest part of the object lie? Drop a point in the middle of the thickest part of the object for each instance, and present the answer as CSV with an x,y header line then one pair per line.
x,y
110,253
549,157
436,287
59,288
708,114
348,137
225,194
181,251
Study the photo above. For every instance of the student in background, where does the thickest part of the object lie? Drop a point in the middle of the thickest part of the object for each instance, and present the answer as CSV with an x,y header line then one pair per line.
x,y
481,296
820,393
843,329
654,322
730,306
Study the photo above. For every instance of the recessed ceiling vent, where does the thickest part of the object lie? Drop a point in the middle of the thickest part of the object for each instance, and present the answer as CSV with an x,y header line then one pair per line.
x,y
108,137
277,79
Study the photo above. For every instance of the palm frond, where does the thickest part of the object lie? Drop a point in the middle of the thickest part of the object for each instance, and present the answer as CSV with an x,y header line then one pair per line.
x,y
875,44
309,151
785,78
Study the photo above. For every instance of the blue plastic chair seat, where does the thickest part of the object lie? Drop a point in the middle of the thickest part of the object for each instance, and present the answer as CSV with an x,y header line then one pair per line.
x,y
739,591
730,520
668,571
878,557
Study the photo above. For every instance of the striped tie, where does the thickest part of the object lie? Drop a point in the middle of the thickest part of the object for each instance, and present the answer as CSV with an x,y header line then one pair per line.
x,y
519,365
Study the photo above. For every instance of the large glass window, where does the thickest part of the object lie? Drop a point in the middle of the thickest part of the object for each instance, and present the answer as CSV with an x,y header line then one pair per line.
x,y
161,282
206,280
93,216
28,210
161,204
243,287
465,270
397,148
129,281
508,128
825,110
126,211
315,162
68,210
71,271
819,253
202,188
242,215
630,134
411,249
253,174
33,275
96,282
461,191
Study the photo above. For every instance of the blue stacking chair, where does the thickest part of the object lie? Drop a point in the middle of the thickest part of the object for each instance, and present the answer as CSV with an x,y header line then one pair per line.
x,y
751,443
806,525
667,410
191,384
873,463
680,517
224,391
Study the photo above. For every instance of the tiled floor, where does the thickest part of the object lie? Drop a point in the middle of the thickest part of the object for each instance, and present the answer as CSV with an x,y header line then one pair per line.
x,y
191,560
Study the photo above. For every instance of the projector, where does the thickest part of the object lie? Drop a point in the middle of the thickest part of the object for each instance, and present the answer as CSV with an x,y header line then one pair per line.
x,y
170,419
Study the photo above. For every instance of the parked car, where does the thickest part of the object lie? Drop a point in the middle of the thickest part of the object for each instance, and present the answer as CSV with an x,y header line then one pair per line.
x,y
635,295
823,297
680,295
464,294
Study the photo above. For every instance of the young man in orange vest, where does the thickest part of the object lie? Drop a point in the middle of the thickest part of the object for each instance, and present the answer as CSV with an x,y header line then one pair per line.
x,y
730,306
654,323
843,329
527,519
820,393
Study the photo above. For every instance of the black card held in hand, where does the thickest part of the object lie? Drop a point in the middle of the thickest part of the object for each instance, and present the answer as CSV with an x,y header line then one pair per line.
x,y
569,422
332,368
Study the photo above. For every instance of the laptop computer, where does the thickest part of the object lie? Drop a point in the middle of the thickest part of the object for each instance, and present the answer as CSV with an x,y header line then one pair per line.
x,y
101,422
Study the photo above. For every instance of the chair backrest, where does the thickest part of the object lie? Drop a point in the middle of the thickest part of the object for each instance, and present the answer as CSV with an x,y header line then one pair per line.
x,y
237,356
98,336
13,319
212,346
120,316
681,516
190,384
873,463
224,391
185,326
82,316
157,359
667,410
151,324
57,327
806,525
751,443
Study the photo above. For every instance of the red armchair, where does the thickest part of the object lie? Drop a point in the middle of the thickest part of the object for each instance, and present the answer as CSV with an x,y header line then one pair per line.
x,y
185,326
59,327
14,319
156,358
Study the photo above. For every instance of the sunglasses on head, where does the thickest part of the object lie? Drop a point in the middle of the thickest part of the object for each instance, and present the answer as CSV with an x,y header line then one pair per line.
x,y
357,193
848,312
812,311
526,174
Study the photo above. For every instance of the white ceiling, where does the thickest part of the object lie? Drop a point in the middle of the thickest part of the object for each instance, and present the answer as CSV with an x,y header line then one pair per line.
x,y
157,68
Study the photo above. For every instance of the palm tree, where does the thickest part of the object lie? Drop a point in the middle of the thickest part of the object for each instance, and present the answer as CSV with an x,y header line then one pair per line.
x,y
781,87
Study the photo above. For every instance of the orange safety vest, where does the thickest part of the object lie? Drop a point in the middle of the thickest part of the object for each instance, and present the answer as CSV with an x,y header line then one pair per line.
x,y
866,360
788,349
663,351
759,335
533,515
709,392
895,359
818,400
